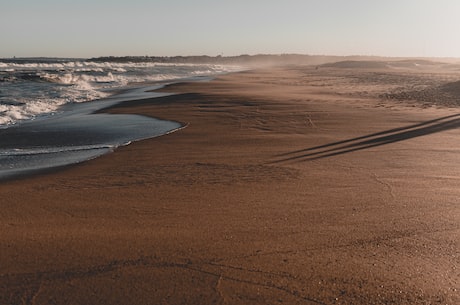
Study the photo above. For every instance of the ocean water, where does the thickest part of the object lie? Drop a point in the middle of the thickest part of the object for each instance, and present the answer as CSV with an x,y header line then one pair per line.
x,y
48,108
31,88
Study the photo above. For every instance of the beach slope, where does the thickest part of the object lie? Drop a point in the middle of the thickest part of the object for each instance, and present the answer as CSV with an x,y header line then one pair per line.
x,y
288,186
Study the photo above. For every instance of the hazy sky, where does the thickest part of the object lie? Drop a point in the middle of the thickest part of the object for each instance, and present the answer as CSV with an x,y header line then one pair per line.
x,y
87,28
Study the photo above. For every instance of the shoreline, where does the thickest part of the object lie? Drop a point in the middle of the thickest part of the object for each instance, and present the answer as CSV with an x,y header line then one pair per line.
x,y
204,215
77,133
74,119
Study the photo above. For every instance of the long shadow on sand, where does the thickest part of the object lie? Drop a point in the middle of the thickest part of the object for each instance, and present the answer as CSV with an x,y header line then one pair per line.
x,y
372,140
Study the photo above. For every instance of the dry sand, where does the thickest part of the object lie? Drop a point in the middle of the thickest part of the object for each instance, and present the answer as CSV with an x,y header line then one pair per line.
x,y
288,186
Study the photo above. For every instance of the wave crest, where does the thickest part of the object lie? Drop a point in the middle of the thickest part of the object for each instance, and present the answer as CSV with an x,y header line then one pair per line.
x,y
30,89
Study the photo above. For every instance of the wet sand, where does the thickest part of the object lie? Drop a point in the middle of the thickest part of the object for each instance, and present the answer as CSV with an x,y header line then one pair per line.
x,y
288,186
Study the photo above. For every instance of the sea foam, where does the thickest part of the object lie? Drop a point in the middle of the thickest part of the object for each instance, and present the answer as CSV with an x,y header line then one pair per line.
x,y
32,89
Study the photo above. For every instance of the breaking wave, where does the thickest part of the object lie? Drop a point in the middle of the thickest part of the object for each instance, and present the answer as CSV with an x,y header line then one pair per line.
x,y
32,89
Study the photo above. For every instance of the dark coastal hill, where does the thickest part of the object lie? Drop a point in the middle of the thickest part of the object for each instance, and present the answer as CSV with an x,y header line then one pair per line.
x,y
370,62
241,59
255,60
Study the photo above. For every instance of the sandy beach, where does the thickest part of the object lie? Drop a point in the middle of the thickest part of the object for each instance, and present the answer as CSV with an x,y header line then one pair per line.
x,y
289,185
